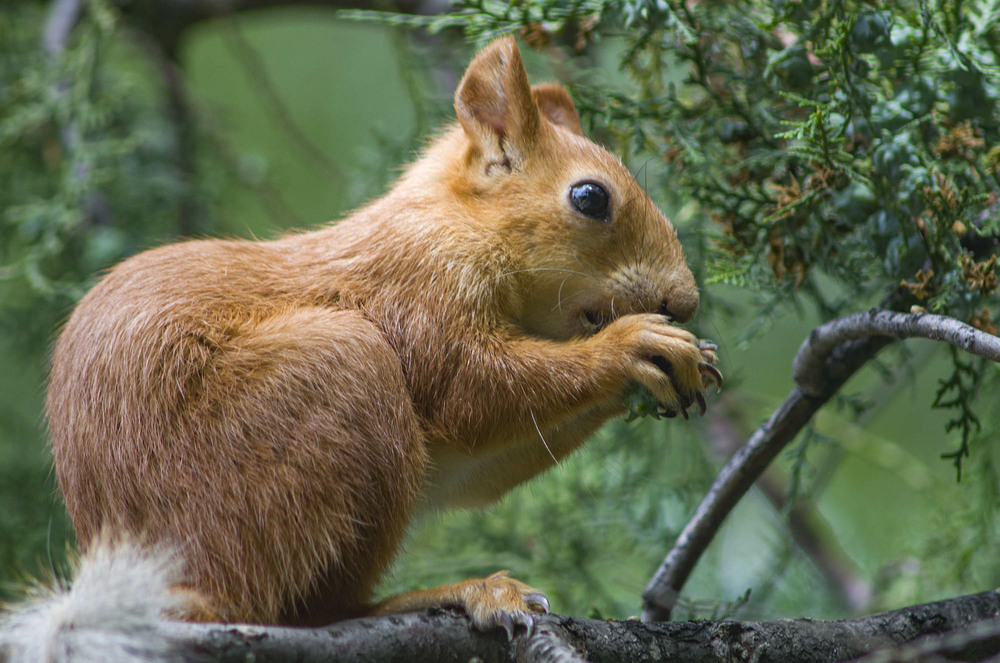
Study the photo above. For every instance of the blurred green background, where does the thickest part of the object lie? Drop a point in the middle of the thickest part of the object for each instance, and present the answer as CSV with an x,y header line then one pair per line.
x,y
591,532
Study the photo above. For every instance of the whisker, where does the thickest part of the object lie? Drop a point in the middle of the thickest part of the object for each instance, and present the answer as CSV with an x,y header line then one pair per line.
x,y
541,269
589,264
559,295
542,437
569,298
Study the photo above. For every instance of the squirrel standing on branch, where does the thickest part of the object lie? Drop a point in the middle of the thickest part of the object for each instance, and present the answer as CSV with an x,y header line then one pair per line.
x,y
277,412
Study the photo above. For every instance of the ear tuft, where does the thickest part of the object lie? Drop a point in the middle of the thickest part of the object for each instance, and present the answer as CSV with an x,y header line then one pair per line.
x,y
557,107
494,104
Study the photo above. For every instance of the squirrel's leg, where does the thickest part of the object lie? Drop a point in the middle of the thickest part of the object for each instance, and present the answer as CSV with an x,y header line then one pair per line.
x,y
378,456
535,386
524,404
496,601
311,460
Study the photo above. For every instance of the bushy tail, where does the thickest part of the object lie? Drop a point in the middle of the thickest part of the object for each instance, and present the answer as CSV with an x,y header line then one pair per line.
x,y
111,612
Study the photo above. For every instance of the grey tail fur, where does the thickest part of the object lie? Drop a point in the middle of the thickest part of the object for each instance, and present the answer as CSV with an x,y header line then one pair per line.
x,y
112,611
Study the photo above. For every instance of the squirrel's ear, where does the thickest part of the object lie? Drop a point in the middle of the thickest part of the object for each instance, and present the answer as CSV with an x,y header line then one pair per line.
x,y
494,105
555,105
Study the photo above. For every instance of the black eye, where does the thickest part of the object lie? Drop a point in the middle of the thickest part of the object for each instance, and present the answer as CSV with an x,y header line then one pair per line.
x,y
590,199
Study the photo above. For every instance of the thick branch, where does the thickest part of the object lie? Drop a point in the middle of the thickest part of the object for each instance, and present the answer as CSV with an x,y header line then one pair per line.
x,y
444,636
832,354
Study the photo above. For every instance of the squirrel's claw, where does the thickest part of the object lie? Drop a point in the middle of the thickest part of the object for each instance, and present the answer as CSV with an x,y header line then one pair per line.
x,y
509,621
507,624
525,620
537,602
711,373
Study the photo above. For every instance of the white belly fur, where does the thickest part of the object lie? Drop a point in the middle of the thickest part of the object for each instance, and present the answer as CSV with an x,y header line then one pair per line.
x,y
459,478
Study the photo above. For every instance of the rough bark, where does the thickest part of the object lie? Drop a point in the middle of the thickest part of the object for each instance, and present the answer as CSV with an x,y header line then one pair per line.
x,y
444,636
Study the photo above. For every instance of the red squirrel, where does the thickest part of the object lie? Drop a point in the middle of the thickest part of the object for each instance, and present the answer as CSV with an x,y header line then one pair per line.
x,y
278,411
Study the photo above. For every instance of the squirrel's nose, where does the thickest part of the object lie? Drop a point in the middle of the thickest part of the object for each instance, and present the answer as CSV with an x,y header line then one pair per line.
x,y
665,310
680,308
680,296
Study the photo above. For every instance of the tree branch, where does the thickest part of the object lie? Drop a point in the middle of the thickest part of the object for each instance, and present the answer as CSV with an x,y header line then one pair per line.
x,y
444,636
832,354
736,477
272,102
808,366
62,17
978,642
60,21
167,20
191,214
807,527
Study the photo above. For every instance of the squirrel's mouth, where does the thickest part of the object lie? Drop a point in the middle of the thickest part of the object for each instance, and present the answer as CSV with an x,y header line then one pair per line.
x,y
594,320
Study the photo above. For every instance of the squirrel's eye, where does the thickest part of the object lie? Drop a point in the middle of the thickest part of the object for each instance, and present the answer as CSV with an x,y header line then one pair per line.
x,y
590,199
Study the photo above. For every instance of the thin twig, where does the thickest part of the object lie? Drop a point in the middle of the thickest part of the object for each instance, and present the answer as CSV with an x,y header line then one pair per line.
x,y
267,193
806,525
732,482
808,365
832,354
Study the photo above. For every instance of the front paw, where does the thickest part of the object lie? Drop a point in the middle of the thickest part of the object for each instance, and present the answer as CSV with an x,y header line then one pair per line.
x,y
667,368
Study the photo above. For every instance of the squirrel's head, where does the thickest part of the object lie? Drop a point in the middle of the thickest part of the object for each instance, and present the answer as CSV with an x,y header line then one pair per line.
x,y
586,242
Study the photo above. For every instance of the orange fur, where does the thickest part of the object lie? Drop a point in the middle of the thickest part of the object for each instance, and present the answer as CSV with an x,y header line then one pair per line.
x,y
280,410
